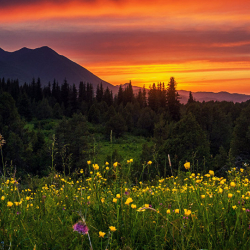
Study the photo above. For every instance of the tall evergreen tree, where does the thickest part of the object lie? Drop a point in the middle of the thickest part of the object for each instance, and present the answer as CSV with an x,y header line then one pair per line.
x,y
173,102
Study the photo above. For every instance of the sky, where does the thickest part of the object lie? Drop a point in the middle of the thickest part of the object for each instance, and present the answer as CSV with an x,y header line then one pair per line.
x,y
205,44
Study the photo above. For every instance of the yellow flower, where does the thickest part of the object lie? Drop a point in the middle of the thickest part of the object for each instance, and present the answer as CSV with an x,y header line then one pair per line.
x,y
128,161
2,198
115,164
88,197
114,200
118,196
107,168
106,163
203,196
95,166
128,201
88,162
230,195
131,160
211,172
9,204
234,207
112,228
177,211
232,184
168,211
220,190
101,234
133,206
27,198
241,170
16,203
146,205
81,171
91,172
149,162
187,165
187,212
102,200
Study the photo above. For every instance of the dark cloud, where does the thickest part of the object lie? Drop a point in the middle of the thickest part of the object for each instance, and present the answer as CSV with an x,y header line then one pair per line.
x,y
136,46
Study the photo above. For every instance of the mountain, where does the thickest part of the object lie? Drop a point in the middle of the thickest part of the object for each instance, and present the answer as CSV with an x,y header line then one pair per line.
x,y
26,64
211,96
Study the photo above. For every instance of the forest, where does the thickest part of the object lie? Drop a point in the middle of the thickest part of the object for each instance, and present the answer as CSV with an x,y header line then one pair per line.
x,y
59,125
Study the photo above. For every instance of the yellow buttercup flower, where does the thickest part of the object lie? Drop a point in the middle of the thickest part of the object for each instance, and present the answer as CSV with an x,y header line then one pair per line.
x,y
118,196
106,163
211,172
112,229
187,165
133,206
187,212
177,211
230,195
95,167
2,198
168,211
88,162
9,204
128,201
149,162
203,196
101,234
114,200
115,164
232,184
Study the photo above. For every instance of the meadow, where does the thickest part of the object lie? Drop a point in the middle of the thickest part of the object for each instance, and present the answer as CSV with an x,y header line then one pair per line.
x,y
101,208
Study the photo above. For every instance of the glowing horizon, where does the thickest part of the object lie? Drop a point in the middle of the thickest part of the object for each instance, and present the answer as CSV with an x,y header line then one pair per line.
x,y
204,45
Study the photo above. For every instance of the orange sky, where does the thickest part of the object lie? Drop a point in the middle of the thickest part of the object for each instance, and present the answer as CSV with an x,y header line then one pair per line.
x,y
205,45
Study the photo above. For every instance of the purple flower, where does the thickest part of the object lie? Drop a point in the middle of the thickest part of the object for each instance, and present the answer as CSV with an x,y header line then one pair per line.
x,y
81,227
17,213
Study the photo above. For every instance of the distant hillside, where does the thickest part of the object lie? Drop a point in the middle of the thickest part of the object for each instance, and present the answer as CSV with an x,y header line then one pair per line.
x,y
26,64
211,96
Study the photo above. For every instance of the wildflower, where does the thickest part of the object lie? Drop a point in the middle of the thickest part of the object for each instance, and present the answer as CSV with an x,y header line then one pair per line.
x,y
113,229
101,234
115,164
234,207
2,198
133,206
211,172
9,204
81,227
203,196
131,160
241,170
149,162
114,200
187,165
187,212
230,195
232,184
146,205
177,211
81,171
102,200
88,162
128,201
95,166
107,168
118,196
106,163
168,211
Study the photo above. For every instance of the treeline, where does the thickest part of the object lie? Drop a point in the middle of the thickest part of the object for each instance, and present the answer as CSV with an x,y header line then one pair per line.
x,y
209,134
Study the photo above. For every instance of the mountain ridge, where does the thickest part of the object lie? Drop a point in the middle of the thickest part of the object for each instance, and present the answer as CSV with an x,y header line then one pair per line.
x,y
45,63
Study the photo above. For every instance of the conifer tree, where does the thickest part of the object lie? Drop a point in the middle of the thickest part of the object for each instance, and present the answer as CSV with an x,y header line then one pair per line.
x,y
173,102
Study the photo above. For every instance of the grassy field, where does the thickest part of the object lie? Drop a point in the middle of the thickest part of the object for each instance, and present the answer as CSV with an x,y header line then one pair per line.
x,y
104,210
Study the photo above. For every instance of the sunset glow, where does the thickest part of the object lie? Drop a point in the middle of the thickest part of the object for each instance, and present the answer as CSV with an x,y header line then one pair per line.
x,y
205,45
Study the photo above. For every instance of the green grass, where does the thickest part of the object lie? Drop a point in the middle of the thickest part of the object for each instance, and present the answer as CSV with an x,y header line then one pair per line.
x,y
183,212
